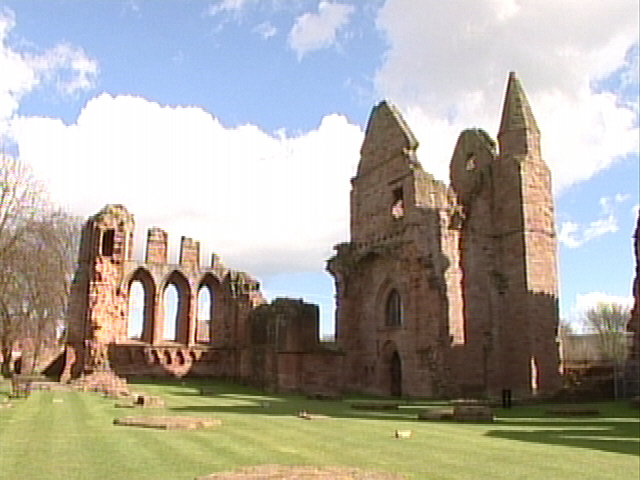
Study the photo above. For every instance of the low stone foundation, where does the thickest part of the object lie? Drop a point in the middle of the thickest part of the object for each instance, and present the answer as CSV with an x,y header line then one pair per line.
x,y
106,382
471,411
375,405
280,472
168,422
436,414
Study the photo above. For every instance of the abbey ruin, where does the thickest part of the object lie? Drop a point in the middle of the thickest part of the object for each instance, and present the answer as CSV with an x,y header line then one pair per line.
x,y
441,290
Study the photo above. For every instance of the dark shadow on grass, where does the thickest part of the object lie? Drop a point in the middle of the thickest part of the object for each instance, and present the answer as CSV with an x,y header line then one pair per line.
x,y
252,400
617,435
615,430
285,408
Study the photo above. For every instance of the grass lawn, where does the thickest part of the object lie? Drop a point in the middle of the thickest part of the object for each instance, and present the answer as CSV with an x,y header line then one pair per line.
x,y
70,435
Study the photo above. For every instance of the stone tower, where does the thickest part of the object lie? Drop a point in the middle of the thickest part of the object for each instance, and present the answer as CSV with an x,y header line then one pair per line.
x,y
391,279
98,306
450,290
526,239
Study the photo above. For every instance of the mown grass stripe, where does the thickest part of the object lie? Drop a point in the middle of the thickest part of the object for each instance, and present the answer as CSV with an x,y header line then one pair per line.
x,y
70,435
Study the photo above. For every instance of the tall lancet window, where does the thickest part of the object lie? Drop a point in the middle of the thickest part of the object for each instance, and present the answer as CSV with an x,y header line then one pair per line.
x,y
393,309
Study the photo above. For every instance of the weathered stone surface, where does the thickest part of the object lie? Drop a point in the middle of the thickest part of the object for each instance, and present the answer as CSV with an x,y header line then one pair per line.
x,y
106,382
441,290
436,414
375,405
280,472
450,290
148,401
472,413
99,304
632,368
167,422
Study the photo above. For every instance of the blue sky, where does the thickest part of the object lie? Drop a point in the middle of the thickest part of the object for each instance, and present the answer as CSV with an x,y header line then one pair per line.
x,y
238,122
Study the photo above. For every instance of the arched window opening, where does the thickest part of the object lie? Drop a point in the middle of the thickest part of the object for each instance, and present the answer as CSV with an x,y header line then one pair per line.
x,y
169,331
177,309
205,314
108,242
136,310
393,309
397,203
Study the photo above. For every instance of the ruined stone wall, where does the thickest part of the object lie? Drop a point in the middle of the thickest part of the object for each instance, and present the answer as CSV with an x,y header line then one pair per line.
x,y
317,372
286,353
474,265
398,216
99,304
529,249
632,370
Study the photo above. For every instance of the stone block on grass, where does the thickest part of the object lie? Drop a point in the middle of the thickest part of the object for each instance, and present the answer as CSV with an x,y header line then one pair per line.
x,y
436,414
282,472
372,405
148,401
167,422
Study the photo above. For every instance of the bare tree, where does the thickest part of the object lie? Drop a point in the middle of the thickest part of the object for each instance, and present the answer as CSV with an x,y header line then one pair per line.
x,y
609,322
37,244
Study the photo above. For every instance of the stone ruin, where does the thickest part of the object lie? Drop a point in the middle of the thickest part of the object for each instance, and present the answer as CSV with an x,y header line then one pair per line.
x,y
441,290
272,345
450,290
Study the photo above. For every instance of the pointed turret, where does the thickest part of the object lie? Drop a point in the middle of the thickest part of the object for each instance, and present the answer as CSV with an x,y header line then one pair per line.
x,y
518,131
516,111
387,134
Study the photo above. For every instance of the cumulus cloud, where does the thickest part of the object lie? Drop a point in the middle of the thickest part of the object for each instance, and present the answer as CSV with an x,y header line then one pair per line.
x,y
314,31
447,64
586,301
65,67
574,235
259,200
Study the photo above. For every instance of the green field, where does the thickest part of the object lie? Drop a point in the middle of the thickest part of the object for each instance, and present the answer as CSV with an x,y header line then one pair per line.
x,y
70,435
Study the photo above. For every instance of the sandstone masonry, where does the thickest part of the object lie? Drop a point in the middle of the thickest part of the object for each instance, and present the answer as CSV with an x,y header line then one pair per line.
x,y
450,290
441,291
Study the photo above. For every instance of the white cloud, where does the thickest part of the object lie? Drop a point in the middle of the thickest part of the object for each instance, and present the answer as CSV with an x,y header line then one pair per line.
x,y
573,235
226,6
64,66
258,200
447,64
568,235
314,31
266,30
585,302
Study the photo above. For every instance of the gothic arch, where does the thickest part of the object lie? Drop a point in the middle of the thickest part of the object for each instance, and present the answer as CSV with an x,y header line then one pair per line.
x,y
390,305
143,276
216,304
392,369
183,323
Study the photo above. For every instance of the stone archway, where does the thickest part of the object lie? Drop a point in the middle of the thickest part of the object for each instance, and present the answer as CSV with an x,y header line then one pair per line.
x,y
395,374
145,331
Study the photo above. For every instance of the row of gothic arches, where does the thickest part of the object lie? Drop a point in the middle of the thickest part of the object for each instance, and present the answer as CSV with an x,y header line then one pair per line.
x,y
174,311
